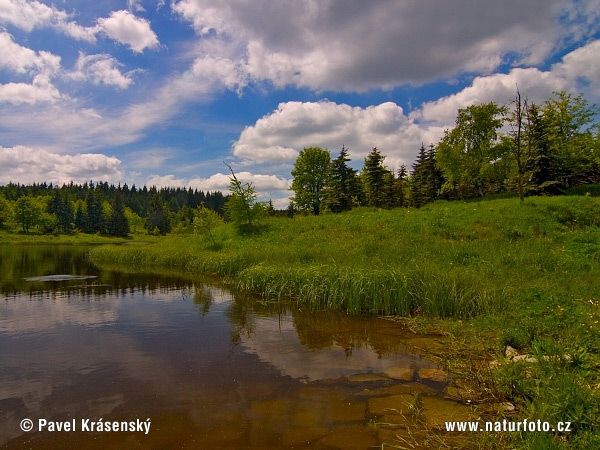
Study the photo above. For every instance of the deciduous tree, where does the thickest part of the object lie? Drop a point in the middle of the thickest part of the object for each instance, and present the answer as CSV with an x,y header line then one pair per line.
x,y
310,178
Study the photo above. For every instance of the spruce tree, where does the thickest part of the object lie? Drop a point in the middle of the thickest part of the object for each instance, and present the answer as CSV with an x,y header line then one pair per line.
x,y
543,161
94,218
61,207
157,219
373,176
427,179
343,185
400,187
118,225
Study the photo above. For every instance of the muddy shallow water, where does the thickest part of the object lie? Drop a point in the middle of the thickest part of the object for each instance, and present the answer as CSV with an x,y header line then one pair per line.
x,y
209,369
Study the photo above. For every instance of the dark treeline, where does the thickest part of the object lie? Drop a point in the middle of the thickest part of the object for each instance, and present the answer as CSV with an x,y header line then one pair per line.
x,y
518,149
103,208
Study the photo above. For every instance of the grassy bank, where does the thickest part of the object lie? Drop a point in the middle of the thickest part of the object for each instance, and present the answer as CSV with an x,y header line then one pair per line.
x,y
8,237
526,274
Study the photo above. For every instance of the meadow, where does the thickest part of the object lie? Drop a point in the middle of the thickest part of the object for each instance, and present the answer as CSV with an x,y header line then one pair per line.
x,y
490,274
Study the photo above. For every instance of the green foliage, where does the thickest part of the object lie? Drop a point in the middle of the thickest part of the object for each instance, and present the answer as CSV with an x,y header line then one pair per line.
x,y
241,207
310,178
427,179
94,214
5,212
117,224
158,217
343,188
205,222
568,121
27,213
60,206
468,154
373,176
135,221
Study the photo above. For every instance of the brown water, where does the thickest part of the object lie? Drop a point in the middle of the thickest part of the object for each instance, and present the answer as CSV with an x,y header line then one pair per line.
x,y
208,369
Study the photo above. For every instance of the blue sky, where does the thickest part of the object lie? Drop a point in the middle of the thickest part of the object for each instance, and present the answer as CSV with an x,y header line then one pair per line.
x,y
164,92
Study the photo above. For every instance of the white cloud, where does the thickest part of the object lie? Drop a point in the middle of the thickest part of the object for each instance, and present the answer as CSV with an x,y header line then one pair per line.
x,y
579,71
100,69
135,5
40,91
221,71
23,60
125,28
294,125
341,45
29,15
26,165
121,26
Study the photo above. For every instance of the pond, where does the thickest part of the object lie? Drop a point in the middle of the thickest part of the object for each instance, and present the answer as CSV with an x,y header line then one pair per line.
x,y
204,368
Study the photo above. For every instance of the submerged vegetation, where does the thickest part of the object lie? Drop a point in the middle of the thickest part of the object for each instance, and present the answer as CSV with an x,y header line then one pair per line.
x,y
526,272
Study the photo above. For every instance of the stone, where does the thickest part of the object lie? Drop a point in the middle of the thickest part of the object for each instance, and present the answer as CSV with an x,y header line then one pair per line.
x,y
510,352
507,407
525,358
399,373
494,364
437,375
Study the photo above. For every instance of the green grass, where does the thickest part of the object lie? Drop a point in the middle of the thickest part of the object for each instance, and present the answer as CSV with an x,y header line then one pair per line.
x,y
527,274
10,237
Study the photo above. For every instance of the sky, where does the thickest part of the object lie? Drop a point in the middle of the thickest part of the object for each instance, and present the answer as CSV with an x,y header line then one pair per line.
x,y
166,93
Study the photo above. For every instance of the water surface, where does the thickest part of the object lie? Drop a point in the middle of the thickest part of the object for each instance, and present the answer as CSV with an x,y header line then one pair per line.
x,y
209,370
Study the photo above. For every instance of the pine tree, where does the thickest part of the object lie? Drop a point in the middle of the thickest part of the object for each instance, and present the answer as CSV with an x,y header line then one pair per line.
x,y
157,220
542,162
426,179
373,176
400,188
342,189
118,225
94,217
61,207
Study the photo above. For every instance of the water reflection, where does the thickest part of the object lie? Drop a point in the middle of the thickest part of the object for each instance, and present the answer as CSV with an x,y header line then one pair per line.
x,y
189,355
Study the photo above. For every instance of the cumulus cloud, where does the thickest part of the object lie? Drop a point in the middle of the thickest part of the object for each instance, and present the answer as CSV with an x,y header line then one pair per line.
x,y
579,71
341,45
294,125
26,165
125,28
100,69
29,15
23,60
40,91
121,26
